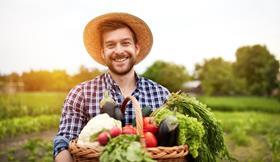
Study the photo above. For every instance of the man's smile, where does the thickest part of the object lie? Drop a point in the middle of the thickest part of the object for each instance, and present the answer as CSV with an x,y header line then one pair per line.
x,y
120,59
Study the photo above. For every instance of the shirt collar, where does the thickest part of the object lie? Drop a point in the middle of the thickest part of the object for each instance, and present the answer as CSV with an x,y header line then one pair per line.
x,y
112,84
109,81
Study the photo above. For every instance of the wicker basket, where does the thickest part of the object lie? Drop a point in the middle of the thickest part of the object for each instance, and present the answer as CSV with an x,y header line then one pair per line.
x,y
161,154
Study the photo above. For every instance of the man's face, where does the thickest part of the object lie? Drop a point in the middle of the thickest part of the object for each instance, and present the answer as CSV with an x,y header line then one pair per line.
x,y
119,50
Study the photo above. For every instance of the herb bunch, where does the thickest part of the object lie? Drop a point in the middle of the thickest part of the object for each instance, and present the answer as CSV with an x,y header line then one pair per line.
x,y
125,148
213,142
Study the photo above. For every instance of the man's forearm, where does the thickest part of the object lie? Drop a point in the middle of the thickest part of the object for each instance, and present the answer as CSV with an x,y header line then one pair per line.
x,y
64,156
60,144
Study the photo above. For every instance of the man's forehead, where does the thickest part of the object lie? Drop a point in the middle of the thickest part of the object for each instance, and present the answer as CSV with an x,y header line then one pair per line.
x,y
118,34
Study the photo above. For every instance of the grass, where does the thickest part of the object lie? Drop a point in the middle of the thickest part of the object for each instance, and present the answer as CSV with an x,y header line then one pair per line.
x,y
242,103
30,104
252,136
32,150
25,125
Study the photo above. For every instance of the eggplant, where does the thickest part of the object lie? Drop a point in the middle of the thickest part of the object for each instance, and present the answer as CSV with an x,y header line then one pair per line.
x,y
146,111
168,131
107,105
118,114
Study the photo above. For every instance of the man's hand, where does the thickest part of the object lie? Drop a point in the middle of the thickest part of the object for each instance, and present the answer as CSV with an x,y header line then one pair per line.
x,y
64,156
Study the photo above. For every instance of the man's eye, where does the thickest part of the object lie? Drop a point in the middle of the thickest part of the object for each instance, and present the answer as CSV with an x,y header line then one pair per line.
x,y
126,43
109,45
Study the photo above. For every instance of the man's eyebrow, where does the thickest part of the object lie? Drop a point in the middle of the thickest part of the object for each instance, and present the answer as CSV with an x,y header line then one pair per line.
x,y
107,42
127,39
124,39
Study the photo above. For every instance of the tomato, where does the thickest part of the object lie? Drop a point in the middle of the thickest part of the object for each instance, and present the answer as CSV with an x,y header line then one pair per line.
x,y
150,139
128,129
149,125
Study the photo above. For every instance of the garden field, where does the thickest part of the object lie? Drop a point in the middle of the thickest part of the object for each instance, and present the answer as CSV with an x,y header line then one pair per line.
x,y
30,120
251,103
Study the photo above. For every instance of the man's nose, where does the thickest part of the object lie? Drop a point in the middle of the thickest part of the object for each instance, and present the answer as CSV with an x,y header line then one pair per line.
x,y
119,48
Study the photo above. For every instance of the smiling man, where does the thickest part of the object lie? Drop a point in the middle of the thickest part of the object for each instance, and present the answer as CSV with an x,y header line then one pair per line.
x,y
118,41
119,50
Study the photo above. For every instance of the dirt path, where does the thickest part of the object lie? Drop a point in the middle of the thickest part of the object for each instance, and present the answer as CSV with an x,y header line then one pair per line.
x,y
18,141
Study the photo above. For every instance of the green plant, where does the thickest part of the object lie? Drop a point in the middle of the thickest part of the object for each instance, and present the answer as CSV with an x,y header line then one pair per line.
x,y
24,125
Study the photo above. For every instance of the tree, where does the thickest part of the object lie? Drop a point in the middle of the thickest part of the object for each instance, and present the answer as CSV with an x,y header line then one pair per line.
x,y
37,80
13,77
217,77
170,75
85,74
258,67
60,81
43,80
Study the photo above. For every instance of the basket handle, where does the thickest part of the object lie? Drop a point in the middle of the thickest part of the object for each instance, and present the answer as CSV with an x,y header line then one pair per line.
x,y
138,115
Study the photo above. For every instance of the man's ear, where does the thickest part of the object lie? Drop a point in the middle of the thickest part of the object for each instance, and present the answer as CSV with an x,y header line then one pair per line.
x,y
102,53
137,48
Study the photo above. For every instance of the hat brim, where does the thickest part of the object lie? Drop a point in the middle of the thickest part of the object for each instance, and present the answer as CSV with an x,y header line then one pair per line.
x,y
92,37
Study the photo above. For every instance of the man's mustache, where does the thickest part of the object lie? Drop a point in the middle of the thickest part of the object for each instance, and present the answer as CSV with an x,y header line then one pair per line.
x,y
120,56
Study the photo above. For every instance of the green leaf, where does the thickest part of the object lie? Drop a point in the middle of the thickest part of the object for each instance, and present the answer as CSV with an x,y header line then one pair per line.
x,y
134,152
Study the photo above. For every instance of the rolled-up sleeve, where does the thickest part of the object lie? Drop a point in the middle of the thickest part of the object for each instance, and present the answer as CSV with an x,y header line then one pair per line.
x,y
72,120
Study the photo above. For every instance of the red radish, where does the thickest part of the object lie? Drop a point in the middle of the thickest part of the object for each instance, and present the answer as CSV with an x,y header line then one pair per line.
x,y
128,129
103,138
115,131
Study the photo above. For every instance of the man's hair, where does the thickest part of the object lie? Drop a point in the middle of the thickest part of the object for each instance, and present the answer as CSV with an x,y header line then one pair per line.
x,y
114,25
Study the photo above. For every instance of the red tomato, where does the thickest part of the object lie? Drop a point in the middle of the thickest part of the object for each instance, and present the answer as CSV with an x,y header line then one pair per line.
x,y
149,125
128,129
150,139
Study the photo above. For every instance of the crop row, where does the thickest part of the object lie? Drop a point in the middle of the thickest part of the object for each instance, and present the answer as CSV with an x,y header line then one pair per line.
x,y
254,131
242,103
30,104
24,125
46,103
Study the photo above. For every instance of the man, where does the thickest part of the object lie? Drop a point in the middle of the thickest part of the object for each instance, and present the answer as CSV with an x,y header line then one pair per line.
x,y
118,41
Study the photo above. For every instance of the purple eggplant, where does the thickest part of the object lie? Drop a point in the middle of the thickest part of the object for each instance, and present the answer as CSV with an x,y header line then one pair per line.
x,y
109,106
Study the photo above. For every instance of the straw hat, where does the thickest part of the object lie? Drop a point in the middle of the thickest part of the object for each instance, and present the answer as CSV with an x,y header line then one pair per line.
x,y
92,36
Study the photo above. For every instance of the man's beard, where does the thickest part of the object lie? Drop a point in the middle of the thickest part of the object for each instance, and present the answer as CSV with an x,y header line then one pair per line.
x,y
131,62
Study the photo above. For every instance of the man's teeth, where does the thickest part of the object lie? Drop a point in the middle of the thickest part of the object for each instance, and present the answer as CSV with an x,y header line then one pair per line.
x,y
120,59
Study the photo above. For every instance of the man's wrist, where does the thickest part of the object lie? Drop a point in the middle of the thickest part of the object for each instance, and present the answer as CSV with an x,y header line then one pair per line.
x,y
60,144
64,156
56,152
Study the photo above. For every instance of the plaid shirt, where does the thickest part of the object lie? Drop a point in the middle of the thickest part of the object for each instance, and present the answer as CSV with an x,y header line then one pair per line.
x,y
82,103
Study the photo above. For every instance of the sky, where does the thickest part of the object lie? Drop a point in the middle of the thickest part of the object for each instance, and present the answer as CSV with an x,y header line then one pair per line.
x,y
48,34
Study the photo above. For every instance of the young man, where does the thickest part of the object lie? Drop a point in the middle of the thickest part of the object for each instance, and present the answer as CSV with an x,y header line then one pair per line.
x,y
118,41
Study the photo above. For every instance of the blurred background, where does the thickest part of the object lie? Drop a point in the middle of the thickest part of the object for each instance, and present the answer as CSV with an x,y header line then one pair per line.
x,y
226,53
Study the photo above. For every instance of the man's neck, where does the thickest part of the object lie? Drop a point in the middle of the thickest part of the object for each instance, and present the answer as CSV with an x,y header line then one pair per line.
x,y
127,82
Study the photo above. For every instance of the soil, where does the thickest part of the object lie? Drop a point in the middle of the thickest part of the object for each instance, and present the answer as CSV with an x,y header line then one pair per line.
x,y
14,144
18,141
